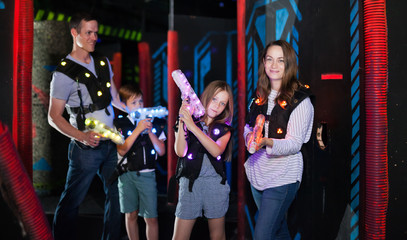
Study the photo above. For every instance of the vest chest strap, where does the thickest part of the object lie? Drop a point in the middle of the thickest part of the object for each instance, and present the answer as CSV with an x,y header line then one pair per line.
x,y
86,109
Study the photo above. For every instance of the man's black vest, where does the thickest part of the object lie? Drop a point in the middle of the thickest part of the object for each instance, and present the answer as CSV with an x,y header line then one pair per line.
x,y
278,119
142,146
190,165
98,87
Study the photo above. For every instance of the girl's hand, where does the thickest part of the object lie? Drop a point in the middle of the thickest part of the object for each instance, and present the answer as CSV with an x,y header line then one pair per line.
x,y
185,115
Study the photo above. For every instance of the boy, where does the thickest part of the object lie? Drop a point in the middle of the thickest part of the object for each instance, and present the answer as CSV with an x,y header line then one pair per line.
x,y
137,186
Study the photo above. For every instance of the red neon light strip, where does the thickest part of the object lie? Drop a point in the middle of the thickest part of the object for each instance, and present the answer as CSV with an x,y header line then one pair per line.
x,y
15,72
376,61
242,105
22,73
331,76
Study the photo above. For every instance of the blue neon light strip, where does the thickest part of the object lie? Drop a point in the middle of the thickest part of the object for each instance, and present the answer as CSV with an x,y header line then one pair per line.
x,y
260,26
160,50
355,87
255,65
295,33
281,21
160,74
200,51
249,220
229,56
204,68
256,5
296,10
249,67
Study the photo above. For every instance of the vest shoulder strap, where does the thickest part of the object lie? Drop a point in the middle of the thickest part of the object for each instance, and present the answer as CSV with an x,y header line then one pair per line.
x,y
72,69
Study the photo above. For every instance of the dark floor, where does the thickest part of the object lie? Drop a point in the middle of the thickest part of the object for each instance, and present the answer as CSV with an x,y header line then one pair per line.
x,y
91,218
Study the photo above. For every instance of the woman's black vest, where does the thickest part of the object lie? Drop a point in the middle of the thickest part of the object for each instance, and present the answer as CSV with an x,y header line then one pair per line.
x,y
278,119
98,87
190,165
141,147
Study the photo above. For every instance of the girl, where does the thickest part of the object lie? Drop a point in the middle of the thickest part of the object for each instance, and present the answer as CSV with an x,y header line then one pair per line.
x,y
275,170
201,146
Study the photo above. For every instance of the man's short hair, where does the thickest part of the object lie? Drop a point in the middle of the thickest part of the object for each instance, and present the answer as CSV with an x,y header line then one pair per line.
x,y
77,18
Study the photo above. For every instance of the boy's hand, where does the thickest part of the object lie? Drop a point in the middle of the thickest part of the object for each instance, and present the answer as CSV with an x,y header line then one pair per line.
x,y
144,124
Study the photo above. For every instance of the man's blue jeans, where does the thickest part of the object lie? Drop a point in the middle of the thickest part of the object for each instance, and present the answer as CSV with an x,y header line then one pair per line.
x,y
84,164
273,204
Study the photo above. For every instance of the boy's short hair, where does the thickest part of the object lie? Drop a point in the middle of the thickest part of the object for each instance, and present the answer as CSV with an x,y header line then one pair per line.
x,y
77,18
129,90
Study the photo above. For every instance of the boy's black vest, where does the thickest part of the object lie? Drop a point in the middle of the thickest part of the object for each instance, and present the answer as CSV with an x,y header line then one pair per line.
x,y
98,87
278,119
141,147
190,165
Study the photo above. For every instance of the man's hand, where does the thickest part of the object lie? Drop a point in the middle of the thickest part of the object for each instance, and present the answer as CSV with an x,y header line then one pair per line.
x,y
91,139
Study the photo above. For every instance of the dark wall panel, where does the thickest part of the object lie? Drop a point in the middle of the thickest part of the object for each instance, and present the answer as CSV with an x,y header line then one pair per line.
x,y
6,62
325,48
397,118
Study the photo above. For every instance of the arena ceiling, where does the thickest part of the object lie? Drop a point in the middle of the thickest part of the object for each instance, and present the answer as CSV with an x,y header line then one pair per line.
x,y
145,15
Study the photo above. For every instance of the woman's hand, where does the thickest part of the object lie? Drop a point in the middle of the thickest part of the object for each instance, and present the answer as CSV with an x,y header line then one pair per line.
x,y
265,142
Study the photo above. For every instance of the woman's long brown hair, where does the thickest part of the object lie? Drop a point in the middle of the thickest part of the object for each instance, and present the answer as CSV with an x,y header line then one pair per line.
x,y
289,82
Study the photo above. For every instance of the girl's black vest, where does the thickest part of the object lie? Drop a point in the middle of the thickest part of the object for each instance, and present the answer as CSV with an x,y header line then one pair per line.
x,y
141,147
98,87
278,119
190,165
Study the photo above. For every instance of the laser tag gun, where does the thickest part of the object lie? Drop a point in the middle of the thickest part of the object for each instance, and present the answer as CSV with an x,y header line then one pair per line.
x,y
256,135
107,132
151,112
188,93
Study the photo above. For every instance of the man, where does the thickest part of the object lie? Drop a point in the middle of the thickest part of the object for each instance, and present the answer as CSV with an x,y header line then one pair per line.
x,y
83,84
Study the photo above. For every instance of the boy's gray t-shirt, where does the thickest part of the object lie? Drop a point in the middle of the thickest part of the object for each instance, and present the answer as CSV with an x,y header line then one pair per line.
x,y
64,88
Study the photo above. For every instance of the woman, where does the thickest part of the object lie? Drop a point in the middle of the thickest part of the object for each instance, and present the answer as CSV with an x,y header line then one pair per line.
x,y
201,146
275,169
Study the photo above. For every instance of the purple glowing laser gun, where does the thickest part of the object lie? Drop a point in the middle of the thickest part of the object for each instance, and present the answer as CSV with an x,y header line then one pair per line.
x,y
187,92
